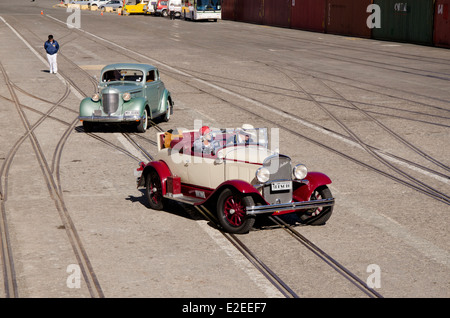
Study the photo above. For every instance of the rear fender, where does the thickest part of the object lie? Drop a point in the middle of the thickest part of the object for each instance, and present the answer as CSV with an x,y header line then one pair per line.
x,y
303,191
163,102
161,168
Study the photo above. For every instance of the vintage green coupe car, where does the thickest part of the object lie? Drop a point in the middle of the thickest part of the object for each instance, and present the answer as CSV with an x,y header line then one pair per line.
x,y
128,93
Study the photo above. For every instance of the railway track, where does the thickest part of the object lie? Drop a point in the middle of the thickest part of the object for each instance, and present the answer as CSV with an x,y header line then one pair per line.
x,y
186,77
130,137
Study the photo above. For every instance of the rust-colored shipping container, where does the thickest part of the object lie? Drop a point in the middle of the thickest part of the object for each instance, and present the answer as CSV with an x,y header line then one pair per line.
x,y
347,17
228,9
441,35
249,11
277,13
308,15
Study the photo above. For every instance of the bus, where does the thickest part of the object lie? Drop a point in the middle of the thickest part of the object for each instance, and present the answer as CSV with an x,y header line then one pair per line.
x,y
202,9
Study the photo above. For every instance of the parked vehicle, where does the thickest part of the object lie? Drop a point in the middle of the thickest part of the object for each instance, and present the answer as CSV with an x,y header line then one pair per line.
x,y
202,9
128,93
98,3
236,181
139,7
114,4
161,8
177,7
150,8
81,2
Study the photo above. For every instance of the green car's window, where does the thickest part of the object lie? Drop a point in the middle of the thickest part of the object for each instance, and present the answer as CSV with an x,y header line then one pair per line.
x,y
122,75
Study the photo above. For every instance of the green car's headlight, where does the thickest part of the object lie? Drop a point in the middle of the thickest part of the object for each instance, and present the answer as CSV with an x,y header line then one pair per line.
x,y
95,98
126,97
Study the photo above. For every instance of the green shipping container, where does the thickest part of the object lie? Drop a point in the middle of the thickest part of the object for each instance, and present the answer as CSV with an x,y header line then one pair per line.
x,y
405,21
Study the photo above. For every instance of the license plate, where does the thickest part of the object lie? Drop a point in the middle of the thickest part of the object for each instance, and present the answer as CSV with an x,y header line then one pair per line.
x,y
280,186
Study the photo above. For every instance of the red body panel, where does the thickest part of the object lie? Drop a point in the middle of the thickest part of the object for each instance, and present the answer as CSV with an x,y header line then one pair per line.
x,y
163,171
209,194
316,179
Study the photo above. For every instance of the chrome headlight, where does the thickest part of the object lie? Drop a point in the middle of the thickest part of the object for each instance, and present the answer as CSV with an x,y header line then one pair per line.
x,y
263,175
126,97
95,98
300,172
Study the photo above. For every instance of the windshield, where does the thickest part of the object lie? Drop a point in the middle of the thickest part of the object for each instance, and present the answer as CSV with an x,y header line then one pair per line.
x,y
234,137
208,5
122,75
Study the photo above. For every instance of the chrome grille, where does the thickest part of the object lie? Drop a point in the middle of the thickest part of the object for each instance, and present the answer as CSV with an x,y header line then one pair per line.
x,y
110,103
280,170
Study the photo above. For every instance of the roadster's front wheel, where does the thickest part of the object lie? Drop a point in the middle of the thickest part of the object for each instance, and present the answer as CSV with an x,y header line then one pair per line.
x,y
153,190
232,212
318,216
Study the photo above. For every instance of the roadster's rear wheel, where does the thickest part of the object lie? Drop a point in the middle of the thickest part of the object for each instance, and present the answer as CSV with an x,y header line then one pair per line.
x,y
232,212
153,190
318,216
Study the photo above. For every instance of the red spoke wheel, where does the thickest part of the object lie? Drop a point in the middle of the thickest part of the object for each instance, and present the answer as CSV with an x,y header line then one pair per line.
x,y
232,212
318,216
153,189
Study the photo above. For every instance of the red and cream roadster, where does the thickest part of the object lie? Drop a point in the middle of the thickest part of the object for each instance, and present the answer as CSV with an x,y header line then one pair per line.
x,y
235,175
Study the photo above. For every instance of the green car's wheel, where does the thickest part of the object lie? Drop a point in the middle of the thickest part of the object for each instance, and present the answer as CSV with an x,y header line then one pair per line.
x,y
166,116
143,123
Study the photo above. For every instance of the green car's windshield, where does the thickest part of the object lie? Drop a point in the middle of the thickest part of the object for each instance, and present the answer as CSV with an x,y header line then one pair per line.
x,y
122,75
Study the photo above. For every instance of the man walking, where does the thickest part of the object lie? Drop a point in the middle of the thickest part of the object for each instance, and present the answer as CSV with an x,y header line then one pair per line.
x,y
52,47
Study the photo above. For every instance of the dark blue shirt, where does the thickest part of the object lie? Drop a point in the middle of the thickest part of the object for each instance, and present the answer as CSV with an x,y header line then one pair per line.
x,y
51,48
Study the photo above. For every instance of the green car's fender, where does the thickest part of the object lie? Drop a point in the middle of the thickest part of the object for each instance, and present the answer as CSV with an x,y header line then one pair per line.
x,y
87,107
135,104
163,103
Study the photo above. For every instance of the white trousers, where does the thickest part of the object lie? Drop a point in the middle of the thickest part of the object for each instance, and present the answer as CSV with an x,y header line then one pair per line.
x,y
52,62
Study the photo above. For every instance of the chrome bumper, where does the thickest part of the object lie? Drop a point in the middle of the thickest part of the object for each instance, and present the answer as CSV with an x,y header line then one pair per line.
x,y
109,119
304,205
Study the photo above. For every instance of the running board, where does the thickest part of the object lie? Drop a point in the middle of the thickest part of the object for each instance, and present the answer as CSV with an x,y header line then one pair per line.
x,y
184,199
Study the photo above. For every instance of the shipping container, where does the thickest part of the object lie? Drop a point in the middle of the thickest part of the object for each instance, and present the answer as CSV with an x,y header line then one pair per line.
x,y
249,11
442,23
308,15
277,13
347,17
405,21
228,9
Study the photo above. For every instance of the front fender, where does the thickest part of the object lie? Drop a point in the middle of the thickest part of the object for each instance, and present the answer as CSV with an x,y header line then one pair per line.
x,y
303,191
137,103
237,185
87,106
161,168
